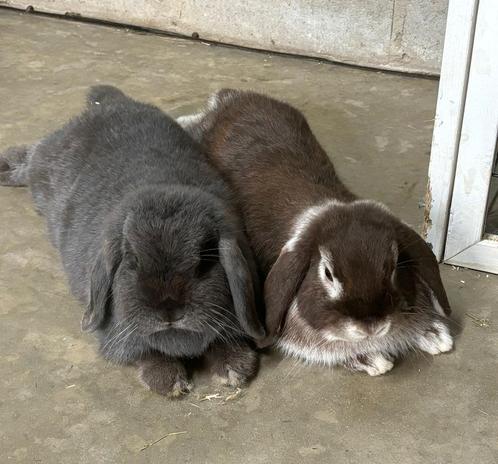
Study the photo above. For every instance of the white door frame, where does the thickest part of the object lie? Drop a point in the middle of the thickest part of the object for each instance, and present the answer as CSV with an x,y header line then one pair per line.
x,y
464,140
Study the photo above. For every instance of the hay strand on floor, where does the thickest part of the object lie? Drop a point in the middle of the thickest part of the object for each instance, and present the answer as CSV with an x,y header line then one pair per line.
x,y
148,445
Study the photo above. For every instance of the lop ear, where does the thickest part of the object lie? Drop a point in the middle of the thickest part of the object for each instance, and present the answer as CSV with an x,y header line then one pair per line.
x,y
100,293
281,287
241,286
415,252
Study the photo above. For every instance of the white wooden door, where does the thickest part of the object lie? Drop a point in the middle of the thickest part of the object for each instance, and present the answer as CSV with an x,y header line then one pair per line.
x,y
462,191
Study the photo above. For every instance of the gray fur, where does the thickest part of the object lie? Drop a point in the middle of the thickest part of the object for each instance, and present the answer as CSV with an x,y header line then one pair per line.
x,y
14,166
128,197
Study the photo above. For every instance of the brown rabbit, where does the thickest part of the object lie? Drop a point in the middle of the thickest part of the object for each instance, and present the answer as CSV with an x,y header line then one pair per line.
x,y
346,281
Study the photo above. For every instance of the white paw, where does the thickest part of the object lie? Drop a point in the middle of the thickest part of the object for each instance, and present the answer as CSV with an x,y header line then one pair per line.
x,y
436,340
372,364
378,365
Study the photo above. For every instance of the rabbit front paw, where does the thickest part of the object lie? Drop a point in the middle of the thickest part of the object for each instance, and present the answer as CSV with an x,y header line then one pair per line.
x,y
165,376
372,364
435,340
233,366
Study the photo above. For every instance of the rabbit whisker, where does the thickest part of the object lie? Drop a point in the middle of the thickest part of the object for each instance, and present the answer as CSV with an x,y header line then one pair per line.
x,y
112,341
122,338
217,332
115,329
228,322
122,342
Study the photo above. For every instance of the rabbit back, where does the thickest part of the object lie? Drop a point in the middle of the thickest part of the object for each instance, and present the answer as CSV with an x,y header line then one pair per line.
x,y
79,173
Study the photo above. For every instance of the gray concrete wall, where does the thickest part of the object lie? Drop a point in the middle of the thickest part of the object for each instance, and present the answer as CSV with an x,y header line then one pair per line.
x,y
404,35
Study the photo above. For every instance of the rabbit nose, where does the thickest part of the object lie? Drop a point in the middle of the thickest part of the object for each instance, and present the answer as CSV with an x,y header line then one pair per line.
x,y
172,316
377,328
171,311
356,332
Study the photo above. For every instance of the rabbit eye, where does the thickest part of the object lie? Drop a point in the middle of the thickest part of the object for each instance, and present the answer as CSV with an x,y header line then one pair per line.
x,y
205,265
209,256
328,274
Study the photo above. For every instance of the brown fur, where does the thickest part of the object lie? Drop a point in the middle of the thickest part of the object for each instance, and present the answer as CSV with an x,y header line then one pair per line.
x,y
268,153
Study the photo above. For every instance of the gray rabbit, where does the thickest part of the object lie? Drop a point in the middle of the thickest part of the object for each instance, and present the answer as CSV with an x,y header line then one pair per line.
x,y
148,239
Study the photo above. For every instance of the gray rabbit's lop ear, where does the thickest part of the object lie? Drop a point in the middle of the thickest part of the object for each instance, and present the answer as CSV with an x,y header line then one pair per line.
x,y
100,290
241,287
414,250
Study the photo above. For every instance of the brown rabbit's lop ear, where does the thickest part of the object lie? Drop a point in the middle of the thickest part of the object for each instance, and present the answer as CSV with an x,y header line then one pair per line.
x,y
100,295
241,287
281,287
415,251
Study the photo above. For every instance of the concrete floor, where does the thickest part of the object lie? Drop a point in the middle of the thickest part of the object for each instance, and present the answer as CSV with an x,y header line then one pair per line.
x,y
60,403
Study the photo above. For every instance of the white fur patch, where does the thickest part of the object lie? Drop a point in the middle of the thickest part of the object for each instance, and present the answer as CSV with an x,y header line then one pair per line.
x,y
213,102
435,303
304,220
334,287
378,365
190,119
437,341
331,337
308,353
383,329
355,333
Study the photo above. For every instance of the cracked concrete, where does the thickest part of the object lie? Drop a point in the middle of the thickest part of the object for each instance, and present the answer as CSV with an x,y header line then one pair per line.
x,y
60,403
